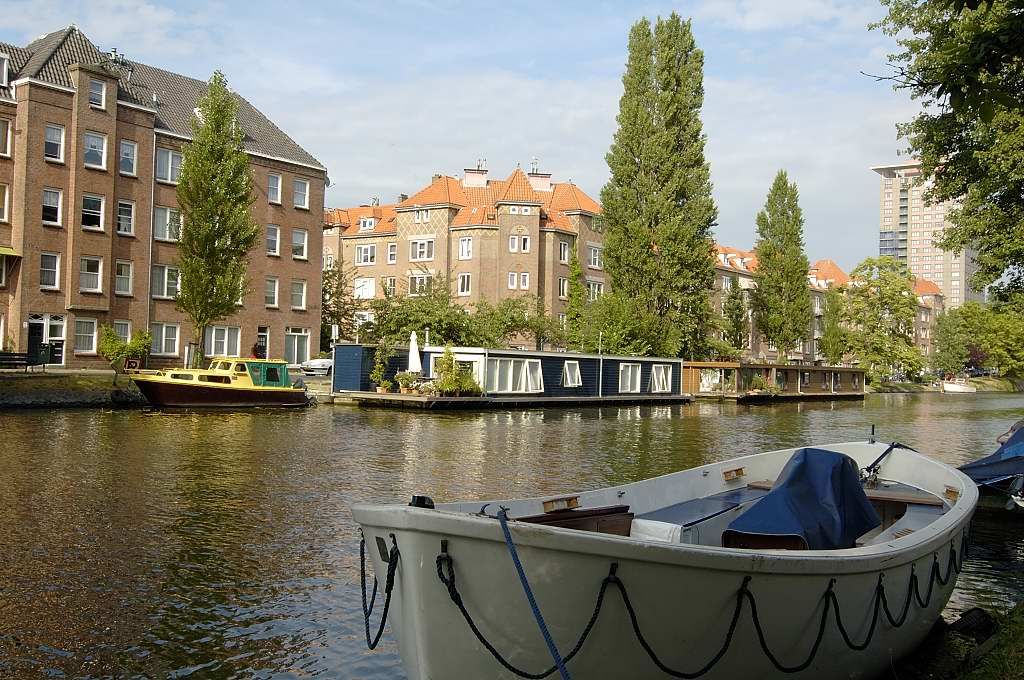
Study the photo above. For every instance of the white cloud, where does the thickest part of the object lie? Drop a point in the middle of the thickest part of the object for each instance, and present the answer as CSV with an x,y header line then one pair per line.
x,y
765,15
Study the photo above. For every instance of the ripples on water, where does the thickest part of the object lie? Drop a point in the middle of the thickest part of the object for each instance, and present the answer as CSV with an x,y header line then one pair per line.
x,y
222,545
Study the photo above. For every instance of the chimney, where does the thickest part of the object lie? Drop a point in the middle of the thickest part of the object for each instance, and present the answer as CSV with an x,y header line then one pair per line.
x,y
476,177
540,181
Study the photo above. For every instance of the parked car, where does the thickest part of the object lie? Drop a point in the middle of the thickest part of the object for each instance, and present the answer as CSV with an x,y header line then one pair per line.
x,y
317,366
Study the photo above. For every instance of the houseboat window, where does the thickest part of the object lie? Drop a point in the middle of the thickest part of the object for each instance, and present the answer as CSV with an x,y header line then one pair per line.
x,y
661,378
239,368
273,374
805,379
514,376
838,381
571,374
824,380
181,376
855,379
629,377
215,379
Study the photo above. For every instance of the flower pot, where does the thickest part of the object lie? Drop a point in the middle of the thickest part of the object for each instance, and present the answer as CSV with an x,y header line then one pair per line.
x,y
408,390
382,390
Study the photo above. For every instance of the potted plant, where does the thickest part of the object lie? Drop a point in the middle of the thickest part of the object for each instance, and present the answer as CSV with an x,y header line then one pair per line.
x,y
407,381
381,357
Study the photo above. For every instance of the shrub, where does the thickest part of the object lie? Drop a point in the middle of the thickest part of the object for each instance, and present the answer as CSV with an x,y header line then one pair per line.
x,y
407,378
381,357
115,350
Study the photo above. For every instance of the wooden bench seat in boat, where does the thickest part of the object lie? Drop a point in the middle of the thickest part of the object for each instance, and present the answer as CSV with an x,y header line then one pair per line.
x,y
683,522
612,519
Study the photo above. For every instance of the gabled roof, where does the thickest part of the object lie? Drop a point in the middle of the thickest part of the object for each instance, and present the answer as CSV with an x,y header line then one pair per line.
x,y
176,96
442,190
829,271
924,287
736,259
348,219
518,189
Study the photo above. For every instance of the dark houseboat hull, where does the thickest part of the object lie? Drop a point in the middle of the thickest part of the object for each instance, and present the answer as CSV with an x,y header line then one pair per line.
x,y
166,394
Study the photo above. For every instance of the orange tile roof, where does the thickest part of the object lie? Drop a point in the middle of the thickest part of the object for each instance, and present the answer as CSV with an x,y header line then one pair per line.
x,y
827,270
443,190
518,189
348,218
740,260
926,287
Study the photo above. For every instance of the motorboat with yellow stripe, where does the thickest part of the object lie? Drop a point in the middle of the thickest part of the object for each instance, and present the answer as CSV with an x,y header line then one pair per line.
x,y
228,382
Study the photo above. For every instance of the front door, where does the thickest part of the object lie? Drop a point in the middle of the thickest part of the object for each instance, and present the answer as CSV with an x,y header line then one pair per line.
x,y
35,339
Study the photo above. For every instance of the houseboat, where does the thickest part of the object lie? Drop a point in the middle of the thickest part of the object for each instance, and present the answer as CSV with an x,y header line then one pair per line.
x,y
227,383
763,382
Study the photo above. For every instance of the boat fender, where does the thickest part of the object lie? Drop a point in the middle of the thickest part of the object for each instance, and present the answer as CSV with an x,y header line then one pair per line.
x,y
422,502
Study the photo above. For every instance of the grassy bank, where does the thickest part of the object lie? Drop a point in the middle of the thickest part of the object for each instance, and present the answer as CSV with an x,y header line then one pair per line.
x,y
1006,659
34,390
983,385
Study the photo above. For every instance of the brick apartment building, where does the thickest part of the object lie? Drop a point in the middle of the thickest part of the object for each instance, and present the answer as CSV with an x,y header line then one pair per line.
x,y
90,149
490,238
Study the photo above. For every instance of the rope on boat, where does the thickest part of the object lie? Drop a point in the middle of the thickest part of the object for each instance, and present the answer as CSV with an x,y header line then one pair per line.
x,y
446,574
389,584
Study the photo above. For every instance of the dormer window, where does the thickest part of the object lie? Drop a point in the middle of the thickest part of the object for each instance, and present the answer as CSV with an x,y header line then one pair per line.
x,y
366,223
97,94
5,62
421,217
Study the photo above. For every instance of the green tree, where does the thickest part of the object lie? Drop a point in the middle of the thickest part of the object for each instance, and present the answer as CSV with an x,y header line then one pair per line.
x,y
737,328
780,298
657,204
834,342
338,304
612,324
215,194
115,350
950,355
962,59
577,302
880,311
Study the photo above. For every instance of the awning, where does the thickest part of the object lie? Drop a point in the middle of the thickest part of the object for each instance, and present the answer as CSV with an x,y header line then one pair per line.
x,y
7,250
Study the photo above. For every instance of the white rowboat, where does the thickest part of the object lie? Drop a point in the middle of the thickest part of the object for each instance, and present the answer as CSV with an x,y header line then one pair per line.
x,y
958,386
668,599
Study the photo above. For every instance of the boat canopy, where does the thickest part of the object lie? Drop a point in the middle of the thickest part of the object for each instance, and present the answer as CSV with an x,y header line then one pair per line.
x,y
817,500
1006,462
268,374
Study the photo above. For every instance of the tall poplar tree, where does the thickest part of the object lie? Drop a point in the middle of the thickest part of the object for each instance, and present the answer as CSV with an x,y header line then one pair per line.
x,y
215,194
657,204
834,343
577,300
734,309
781,300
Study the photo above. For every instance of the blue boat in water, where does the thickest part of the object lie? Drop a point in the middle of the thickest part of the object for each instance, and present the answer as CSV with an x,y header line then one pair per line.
x,y
1001,474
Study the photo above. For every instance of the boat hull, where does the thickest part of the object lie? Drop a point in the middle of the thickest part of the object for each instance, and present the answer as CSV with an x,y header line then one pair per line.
x,y
684,595
170,395
958,388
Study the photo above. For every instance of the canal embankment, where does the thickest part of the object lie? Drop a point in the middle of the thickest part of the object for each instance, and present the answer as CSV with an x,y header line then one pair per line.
x,y
77,389
987,384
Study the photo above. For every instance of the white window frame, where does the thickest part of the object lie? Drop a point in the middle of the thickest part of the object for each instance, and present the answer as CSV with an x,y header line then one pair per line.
x,y
466,248
60,157
60,206
103,150
159,331
629,378
571,374
563,288
305,244
5,59
418,244
98,288
131,224
272,190
297,333
102,211
513,243
127,325
266,290
513,210
3,283
5,138
595,258
134,156
169,154
91,336
163,293
392,252
563,252
291,297
524,244
388,285
5,203
366,254
524,281
102,105
276,252
421,216
525,210
513,280
364,288
367,223
305,193
165,224
465,284
225,333
117,277
514,376
56,271
595,289
661,379
420,284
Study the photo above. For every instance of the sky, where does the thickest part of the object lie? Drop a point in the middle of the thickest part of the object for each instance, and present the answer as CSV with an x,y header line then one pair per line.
x,y
385,94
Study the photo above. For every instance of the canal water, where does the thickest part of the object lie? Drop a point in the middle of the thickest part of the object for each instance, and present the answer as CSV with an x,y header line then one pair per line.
x,y
222,545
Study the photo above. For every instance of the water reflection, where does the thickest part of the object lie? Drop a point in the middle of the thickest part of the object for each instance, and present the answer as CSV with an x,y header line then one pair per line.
x,y
222,544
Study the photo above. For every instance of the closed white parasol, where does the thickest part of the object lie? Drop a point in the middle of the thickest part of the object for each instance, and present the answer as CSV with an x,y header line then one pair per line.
x,y
414,354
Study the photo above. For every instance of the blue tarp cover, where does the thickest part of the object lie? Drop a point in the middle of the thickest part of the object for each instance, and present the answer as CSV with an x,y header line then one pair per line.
x,y
817,497
1007,461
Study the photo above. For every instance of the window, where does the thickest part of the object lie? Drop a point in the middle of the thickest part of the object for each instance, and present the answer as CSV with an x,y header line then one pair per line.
x,y
421,249
364,288
95,154
726,283
5,63
296,345
629,378
270,291
421,216
5,137
466,248
85,336
513,280
366,254
122,277
513,210
89,274
388,285
571,374
3,271
165,339
595,289
97,94
127,158
123,330
222,341
563,287
420,284
49,268
514,375
92,212
328,261
563,252
392,253
299,239
166,224
168,166
126,218
464,284
524,281
4,198
525,210
273,232
300,193
366,223
53,146
524,244
661,378
513,243
165,281
274,188
53,200
298,294
595,261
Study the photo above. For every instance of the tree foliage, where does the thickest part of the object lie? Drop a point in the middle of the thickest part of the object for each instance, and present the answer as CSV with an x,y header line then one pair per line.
x,y
737,328
577,302
657,204
215,194
950,354
976,335
338,303
115,350
880,312
780,299
834,342
612,324
964,61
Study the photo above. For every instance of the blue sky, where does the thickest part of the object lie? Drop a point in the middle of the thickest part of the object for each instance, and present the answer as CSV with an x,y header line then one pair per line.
x,y
386,94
